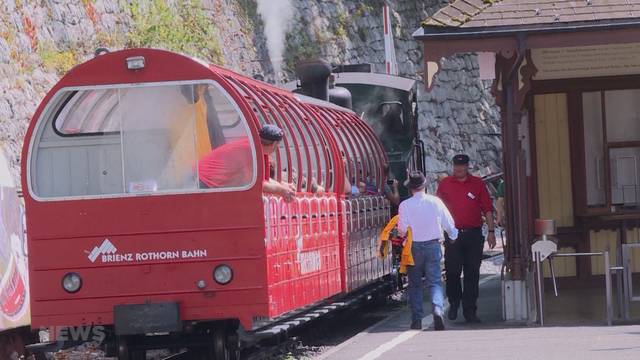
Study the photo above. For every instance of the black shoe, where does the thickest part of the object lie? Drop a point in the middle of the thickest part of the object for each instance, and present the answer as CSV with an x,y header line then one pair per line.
x,y
416,325
438,323
472,319
453,312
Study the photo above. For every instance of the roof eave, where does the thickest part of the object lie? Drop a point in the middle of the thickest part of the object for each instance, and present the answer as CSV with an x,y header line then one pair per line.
x,y
455,32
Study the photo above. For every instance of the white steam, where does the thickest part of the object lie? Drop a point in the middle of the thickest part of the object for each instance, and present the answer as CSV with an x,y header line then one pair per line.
x,y
276,15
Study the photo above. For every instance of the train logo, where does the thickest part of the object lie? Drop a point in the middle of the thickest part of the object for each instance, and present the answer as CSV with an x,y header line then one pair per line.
x,y
105,248
107,253
309,261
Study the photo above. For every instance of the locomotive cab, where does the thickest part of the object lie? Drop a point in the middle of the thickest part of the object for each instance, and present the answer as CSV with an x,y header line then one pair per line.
x,y
145,211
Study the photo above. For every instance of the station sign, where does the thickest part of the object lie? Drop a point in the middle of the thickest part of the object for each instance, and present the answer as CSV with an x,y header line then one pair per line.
x,y
586,61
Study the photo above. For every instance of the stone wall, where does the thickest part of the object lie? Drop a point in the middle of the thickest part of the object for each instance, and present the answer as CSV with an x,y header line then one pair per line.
x,y
43,39
458,115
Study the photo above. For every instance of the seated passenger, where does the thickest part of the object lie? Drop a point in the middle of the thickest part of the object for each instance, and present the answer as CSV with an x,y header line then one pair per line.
x,y
315,187
391,188
362,188
230,165
355,190
348,189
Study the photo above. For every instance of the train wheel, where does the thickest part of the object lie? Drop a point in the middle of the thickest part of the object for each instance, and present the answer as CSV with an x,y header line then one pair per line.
x,y
124,353
233,345
225,344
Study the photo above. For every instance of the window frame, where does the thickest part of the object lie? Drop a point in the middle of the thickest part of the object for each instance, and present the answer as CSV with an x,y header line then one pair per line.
x,y
81,134
608,207
57,102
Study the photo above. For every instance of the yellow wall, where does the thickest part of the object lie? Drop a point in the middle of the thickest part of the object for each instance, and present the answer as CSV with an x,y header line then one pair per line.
x,y
599,240
633,236
555,195
563,266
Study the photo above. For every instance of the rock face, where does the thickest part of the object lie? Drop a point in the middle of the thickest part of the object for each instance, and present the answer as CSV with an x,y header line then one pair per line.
x,y
41,40
458,115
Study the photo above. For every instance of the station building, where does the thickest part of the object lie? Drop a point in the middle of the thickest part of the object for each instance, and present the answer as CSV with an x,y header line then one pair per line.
x,y
566,75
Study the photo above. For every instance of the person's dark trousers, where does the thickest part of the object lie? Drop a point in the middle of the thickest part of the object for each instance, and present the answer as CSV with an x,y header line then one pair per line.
x,y
464,254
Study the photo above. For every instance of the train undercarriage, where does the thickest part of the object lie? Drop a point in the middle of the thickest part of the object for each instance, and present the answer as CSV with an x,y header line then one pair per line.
x,y
215,340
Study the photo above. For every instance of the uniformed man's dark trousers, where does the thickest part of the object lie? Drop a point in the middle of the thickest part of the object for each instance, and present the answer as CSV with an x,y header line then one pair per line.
x,y
465,254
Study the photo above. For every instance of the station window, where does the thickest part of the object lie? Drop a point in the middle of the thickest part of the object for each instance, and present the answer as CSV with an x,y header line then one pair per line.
x,y
141,139
612,149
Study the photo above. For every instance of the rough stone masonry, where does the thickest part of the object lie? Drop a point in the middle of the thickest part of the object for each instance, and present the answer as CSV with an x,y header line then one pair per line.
x,y
41,38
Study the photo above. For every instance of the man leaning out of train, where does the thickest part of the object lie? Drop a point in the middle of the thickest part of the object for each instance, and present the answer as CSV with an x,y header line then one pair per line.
x,y
230,164
270,137
422,218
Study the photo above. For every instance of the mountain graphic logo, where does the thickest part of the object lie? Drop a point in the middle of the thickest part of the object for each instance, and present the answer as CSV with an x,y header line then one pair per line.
x,y
105,248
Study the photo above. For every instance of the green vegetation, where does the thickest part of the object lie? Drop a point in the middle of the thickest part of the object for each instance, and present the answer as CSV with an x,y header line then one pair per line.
x,y
362,10
56,60
249,8
300,45
341,25
185,29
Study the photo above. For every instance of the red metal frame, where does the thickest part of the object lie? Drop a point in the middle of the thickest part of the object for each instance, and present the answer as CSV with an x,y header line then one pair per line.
x,y
284,256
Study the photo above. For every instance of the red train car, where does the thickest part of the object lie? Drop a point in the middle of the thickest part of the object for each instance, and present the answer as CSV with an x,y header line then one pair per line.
x,y
122,234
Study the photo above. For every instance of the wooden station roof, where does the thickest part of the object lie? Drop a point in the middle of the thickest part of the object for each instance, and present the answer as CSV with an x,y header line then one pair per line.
x,y
463,15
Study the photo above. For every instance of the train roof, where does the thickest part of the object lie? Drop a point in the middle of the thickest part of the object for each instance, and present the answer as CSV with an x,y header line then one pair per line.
x,y
366,78
313,101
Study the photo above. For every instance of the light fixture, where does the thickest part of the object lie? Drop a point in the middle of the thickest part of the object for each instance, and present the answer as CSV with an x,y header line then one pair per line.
x,y
223,274
135,62
201,284
71,282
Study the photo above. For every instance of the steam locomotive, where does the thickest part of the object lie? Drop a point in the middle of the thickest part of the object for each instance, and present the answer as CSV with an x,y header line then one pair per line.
x,y
123,237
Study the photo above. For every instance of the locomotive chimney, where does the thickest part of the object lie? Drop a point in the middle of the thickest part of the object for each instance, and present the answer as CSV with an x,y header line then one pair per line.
x,y
314,78
339,95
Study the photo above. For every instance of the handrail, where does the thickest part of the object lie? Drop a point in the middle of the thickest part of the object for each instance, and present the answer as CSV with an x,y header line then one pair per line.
x,y
357,211
267,221
324,202
368,208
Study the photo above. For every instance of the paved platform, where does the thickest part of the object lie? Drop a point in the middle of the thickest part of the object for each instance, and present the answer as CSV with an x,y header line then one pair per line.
x,y
493,339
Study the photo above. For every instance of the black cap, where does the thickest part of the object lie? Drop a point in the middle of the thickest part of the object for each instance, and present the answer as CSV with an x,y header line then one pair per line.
x,y
416,180
461,159
271,132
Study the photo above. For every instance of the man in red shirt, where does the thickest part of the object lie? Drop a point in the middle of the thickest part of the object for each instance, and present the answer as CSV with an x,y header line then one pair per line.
x,y
230,165
467,199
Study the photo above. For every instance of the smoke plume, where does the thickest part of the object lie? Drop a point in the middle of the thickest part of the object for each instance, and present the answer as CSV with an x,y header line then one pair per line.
x,y
276,15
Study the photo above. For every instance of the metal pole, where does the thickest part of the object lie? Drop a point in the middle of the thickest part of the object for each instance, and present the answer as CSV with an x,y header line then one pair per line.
x,y
553,276
607,281
540,290
619,274
626,274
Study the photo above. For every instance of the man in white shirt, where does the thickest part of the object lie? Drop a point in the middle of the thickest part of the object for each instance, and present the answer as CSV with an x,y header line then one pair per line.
x,y
427,216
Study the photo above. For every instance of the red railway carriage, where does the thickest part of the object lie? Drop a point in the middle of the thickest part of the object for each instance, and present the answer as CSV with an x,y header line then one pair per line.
x,y
123,232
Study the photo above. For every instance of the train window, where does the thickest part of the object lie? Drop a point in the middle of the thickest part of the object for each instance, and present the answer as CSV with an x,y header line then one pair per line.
x,y
368,166
89,112
327,171
350,157
150,138
305,148
289,172
319,171
229,161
